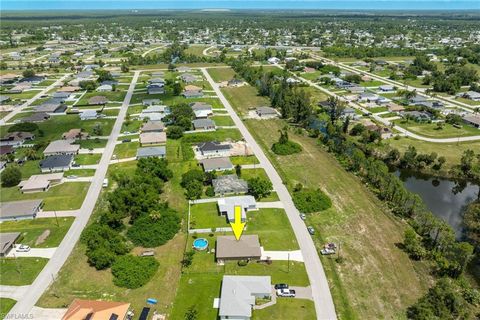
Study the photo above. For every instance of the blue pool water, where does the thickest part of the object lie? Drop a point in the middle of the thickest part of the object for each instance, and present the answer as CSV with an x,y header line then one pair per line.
x,y
200,243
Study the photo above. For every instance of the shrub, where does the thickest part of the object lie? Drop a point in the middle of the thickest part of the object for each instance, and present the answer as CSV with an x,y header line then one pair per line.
x,y
259,188
153,231
175,132
133,272
101,258
286,148
210,192
188,258
11,176
309,200
155,166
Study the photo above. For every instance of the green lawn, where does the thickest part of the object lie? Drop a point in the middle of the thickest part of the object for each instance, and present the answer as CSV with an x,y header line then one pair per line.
x,y
298,308
217,135
111,96
377,109
430,129
254,173
126,150
66,196
223,120
86,159
221,74
92,143
245,98
20,271
244,160
80,172
205,215
5,305
32,229
29,168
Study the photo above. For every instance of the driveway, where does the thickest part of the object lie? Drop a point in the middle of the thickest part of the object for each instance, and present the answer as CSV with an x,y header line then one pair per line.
x,y
324,307
47,313
33,253
13,292
295,255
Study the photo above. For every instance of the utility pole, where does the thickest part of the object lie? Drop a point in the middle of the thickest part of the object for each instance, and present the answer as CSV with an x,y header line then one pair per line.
x,y
56,218
289,262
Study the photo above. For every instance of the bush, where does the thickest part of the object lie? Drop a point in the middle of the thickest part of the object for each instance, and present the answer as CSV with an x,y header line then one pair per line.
x,y
153,231
133,272
156,167
259,188
286,148
175,132
101,258
210,192
11,176
309,200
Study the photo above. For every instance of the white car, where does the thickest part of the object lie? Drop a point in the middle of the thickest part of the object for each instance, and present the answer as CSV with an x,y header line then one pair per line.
x,y
287,293
22,248
327,251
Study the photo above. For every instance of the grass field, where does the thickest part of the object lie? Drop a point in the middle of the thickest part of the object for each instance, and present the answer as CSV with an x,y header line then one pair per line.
x,y
299,308
5,305
205,215
32,229
366,230
66,196
221,74
222,120
245,98
92,143
20,271
126,150
87,159
430,129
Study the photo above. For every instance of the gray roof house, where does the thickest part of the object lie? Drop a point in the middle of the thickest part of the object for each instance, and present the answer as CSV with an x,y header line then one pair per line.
x,y
266,112
153,126
147,152
472,95
226,206
57,147
36,117
203,124
155,89
56,163
20,210
188,78
192,94
7,241
150,102
473,120
229,248
214,148
88,115
238,295
216,164
229,184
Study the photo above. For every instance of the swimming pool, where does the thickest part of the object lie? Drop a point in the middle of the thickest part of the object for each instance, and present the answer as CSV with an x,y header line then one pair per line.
x,y
200,244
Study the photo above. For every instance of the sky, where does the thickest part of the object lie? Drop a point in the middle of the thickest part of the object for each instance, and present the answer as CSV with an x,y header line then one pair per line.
x,y
240,4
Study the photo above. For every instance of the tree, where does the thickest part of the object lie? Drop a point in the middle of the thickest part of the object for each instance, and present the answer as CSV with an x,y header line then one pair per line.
x,y
177,88
413,245
335,108
156,167
259,188
193,190
311,200
28,73
97,129
175,132
238,170
11,176
357,129
155,229
191,314
133,272
471,220
125,68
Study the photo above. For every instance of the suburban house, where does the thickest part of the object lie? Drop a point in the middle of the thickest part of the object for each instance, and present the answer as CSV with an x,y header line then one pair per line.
x,y
386,88
4,150
32,80
229,184
97,100
20,210
197,106
266,112
367,97
7,242
150,102
203,124
239,293
202,114
229,248
97,310
147,138
147,152
56,163
88,115
16,138
214,149
473,120
417,100
226,206
51,106
153,126
58,147
62,96
216,164
273,60
183,69
69,89
188,78
105,88
40,182
155,89
74,134
417,115
472,95
393,107
36,117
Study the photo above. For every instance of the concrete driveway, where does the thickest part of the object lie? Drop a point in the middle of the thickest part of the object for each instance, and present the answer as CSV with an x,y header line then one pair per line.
x,y
13,292
282,255
33,253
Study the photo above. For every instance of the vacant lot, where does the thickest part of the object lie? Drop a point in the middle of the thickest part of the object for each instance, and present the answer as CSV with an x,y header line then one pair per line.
x,y
31,230
245,98
20,271
431,130
221,74
65,196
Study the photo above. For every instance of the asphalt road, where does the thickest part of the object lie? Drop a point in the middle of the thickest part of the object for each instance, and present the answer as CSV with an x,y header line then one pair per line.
x,y
50,271
321,295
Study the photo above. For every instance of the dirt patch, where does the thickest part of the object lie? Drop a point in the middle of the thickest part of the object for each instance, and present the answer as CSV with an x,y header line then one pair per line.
x,y
41,238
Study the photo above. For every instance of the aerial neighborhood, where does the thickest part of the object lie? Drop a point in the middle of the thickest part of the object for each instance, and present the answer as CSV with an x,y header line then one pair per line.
x,y
236,164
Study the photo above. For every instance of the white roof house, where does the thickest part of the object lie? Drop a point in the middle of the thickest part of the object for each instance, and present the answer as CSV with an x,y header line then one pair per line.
x,y
239,293
105,88
226,206
58,147
88,115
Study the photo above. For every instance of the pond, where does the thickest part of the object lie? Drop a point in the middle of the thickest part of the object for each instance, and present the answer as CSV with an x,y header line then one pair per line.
x,y
442,196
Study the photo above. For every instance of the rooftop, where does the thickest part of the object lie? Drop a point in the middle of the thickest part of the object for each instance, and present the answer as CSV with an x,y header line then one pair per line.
x,y
228,247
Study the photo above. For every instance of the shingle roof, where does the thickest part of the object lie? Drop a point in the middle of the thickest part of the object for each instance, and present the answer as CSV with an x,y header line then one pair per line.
x,y
57,161
228,247
229,184
19,208
151,152
211,164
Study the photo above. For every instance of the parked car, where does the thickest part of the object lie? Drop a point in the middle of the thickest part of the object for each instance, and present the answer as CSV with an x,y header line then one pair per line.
x,y
75,165
288,293
126,140
281,286
311,230
22,248
327,251
303,216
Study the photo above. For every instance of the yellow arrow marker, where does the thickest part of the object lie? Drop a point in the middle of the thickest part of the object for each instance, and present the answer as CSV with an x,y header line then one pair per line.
x,y
238,225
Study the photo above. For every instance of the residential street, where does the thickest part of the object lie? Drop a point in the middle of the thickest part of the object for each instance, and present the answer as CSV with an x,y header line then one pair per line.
x,y
322,298
44,279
